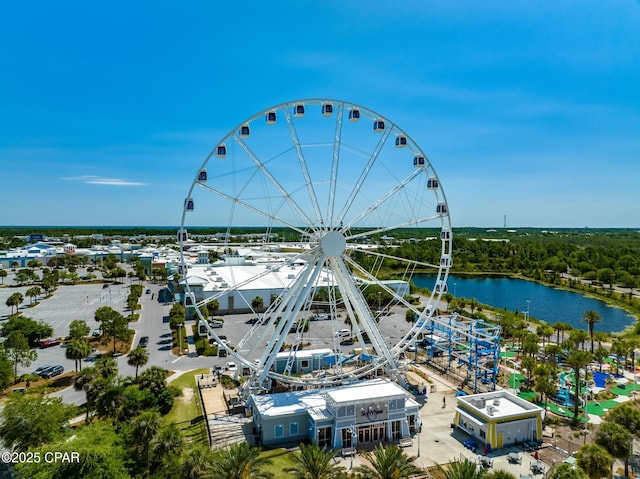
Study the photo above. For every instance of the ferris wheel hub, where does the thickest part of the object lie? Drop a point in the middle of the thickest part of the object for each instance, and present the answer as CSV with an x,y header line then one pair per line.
x,y
333,243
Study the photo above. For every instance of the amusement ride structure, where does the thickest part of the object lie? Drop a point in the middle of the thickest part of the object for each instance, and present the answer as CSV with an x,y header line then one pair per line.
x,y
316,185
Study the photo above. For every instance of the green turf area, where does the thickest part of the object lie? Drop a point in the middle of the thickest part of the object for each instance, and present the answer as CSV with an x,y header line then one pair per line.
x,y
187,409
279,460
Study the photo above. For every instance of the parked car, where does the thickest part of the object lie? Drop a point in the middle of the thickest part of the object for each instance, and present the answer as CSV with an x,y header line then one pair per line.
x,y
52,372
144,341
40,369
343,333
148,291
47,343
216,324
232,367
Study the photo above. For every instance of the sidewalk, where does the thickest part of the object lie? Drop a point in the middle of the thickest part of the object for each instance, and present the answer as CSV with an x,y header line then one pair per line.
x,y
191,342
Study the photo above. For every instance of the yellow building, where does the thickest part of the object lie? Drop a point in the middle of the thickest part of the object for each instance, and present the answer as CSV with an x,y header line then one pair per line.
x,y
499,418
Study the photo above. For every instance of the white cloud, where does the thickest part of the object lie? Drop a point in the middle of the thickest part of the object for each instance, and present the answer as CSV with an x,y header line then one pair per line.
x,y
98,180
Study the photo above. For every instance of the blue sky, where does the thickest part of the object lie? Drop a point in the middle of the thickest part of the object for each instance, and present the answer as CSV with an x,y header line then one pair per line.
x,y
529,109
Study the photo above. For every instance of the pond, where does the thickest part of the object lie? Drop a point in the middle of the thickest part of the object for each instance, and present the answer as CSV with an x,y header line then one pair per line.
x,y
542,302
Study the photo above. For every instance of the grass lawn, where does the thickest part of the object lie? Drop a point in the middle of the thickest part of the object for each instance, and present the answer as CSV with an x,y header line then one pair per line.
x,y
279,458
187,409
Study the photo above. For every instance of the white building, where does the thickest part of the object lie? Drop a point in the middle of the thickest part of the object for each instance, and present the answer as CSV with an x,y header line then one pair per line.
x,y
365,412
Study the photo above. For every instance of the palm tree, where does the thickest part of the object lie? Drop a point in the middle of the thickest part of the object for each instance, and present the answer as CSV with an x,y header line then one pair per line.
x,y
197,462
578,360
566,471
388,463
167,444
15,300
499,474
591,317
561,328
240,461
618,442
595,461
314,462
138,357
86,380
33,292
3,275
78,349
466,469
144,430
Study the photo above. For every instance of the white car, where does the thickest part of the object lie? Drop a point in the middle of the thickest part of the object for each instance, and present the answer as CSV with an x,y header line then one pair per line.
x,y
232,367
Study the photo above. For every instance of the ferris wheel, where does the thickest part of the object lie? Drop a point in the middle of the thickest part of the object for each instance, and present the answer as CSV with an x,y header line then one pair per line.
x,y
314,197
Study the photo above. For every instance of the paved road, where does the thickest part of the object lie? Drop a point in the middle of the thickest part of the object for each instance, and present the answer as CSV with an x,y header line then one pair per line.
x,y
80,302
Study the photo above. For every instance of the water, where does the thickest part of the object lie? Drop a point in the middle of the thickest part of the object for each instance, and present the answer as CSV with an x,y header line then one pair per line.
x,y
543,302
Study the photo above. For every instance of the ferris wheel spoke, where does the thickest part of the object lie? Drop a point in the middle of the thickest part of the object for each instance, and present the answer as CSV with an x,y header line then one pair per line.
x,y
363,176
303,167
235,201
406,224
378,203
398,258
354,298
285,194
289,312
335,162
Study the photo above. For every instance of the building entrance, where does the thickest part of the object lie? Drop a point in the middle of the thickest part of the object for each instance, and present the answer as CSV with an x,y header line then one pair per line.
x,y
371,433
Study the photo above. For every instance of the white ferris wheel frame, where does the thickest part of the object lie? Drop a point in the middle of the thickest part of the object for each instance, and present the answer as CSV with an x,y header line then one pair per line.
x,y
328,236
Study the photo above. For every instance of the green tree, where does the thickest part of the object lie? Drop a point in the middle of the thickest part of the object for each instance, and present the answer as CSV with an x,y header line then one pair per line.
x,y
101,455
78,328
257,303
595,461
14,301
499,474
388,462
78,349
87,381
34,331
626,415
465,469
240,461
18,351
107,367
197,462
138,357
166,448
33,292
314,462
3,275
153,379
6,370
142,432
113,325
617,440
29,420
591,317
578,360
566,471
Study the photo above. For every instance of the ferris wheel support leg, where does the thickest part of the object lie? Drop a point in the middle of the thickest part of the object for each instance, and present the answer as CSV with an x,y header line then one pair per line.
x,y
351,291
299,292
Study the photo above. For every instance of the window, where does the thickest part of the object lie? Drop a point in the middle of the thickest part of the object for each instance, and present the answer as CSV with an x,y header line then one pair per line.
x,y
304,363
293,429
279,432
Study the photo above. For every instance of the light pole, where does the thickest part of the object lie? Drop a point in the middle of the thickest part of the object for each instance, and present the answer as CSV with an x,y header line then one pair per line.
x,y
180,338
350,431
419,430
